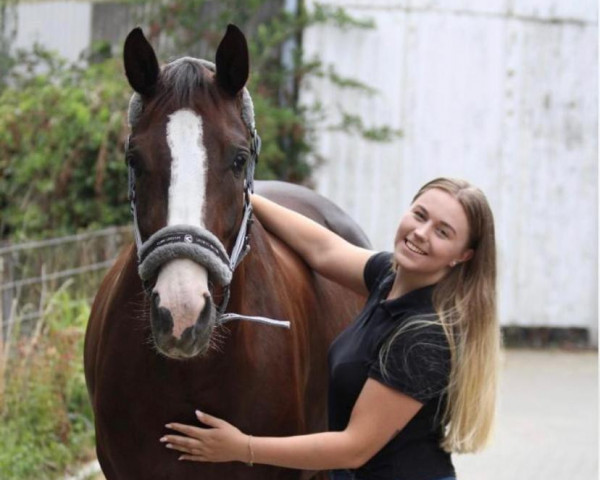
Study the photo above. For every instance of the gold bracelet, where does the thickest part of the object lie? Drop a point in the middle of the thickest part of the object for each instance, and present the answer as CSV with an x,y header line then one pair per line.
x,y
250,451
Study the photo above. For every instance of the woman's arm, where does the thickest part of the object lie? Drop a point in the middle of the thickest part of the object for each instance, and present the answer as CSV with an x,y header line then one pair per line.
x,y
324,251
379,413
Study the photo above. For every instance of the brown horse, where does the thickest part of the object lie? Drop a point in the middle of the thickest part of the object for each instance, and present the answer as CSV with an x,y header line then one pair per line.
x,y
156,347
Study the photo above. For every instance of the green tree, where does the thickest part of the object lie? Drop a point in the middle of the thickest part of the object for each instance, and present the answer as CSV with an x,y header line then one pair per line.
x,y
61,147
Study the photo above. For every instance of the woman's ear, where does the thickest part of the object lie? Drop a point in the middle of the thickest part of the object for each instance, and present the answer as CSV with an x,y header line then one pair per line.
x,y
467,255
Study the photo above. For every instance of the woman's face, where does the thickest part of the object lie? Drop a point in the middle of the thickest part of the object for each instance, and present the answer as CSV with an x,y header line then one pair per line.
x,y
432,235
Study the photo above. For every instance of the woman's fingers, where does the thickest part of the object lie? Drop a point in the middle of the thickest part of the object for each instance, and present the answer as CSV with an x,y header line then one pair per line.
x,y
191,431
219,442
181,449
181,443
192,458
209,420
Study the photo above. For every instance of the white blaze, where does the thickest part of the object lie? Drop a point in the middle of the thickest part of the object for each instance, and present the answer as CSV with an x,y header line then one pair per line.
x,y
182,283
187,190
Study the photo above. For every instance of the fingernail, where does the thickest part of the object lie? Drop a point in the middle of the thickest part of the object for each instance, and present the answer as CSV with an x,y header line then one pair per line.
x,y
199,413
163,439
168,445
168,425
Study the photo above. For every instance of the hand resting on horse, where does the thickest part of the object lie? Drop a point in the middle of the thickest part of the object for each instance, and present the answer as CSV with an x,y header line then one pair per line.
x,y
368,431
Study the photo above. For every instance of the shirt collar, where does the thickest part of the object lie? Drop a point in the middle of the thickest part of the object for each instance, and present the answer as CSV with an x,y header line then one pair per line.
x,y
418,300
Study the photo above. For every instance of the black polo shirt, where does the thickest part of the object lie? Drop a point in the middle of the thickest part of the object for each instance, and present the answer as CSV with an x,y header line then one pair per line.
x,y
418,365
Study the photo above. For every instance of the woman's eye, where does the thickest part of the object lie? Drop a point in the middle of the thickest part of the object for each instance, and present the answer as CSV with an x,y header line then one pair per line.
x,y
443,233
419,215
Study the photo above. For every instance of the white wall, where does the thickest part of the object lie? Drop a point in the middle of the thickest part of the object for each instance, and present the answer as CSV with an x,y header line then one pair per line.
x,y
502,93
63,26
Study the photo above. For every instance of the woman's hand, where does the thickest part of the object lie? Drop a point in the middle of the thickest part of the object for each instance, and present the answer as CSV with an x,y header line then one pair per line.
x,y
221,443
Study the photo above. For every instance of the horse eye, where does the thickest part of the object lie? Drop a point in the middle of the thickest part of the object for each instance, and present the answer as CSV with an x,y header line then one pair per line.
x,y
238,163
133,161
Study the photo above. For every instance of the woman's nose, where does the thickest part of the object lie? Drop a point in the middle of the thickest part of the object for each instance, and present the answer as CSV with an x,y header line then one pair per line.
x,y
422,230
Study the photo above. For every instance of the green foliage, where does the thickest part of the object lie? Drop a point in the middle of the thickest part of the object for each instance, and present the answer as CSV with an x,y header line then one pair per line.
x,y
61,137
353,123
45,417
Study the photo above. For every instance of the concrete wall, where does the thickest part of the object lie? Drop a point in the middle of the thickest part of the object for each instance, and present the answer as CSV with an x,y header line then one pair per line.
x,y
69,27
502,93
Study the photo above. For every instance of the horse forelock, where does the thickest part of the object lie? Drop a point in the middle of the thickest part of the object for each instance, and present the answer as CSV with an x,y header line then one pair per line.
x,y
180,83
182,80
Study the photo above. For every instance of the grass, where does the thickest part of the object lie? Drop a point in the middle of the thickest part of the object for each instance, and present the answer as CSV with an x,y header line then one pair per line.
x,y
45,417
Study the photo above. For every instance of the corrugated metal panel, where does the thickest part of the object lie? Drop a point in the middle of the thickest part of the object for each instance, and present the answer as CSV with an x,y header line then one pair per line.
x,y
506,101
551,163
575,10
559,10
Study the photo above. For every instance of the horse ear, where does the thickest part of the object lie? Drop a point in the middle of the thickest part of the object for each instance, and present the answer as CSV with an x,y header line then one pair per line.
x,y
232,61
141,65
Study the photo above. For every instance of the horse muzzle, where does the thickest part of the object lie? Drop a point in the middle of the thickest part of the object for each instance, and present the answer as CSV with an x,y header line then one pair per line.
x,y
183,315
182,257
191,341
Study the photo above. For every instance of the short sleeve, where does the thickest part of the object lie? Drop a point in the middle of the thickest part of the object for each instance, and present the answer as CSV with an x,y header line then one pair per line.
x,y
377,267
417,363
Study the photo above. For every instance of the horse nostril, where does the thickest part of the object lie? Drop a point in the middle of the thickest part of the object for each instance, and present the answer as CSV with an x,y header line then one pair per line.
x,y
155,299
206,314
161,317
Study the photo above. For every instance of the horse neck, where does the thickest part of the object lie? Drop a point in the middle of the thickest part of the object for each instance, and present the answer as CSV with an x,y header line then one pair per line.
x,y
269,278
254,276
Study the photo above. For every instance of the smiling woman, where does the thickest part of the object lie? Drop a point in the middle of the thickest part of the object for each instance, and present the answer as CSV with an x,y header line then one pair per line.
x,y
413,378
431,238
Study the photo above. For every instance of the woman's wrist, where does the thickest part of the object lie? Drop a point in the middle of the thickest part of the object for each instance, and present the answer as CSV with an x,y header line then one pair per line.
x,y
250,461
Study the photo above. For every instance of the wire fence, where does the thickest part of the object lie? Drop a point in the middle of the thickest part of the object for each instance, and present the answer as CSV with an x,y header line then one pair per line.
x,y
31,271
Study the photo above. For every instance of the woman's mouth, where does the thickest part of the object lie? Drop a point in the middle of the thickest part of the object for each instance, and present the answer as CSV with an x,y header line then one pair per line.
x,y
413,248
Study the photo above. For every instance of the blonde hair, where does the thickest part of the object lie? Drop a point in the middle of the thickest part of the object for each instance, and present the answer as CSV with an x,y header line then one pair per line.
x,y
465,303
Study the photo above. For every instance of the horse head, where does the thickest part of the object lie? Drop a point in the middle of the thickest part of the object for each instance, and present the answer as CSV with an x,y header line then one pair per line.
x,y
189,153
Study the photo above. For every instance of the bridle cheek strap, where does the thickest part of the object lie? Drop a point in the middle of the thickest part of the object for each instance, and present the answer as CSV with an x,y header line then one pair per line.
x,y
201,246
198,244
195,243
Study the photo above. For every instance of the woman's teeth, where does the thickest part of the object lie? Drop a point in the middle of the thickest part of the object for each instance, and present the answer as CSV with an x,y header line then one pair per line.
x,y
413,248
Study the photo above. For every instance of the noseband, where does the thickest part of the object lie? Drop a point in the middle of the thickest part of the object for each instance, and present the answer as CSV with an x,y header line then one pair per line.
x,y
196,243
